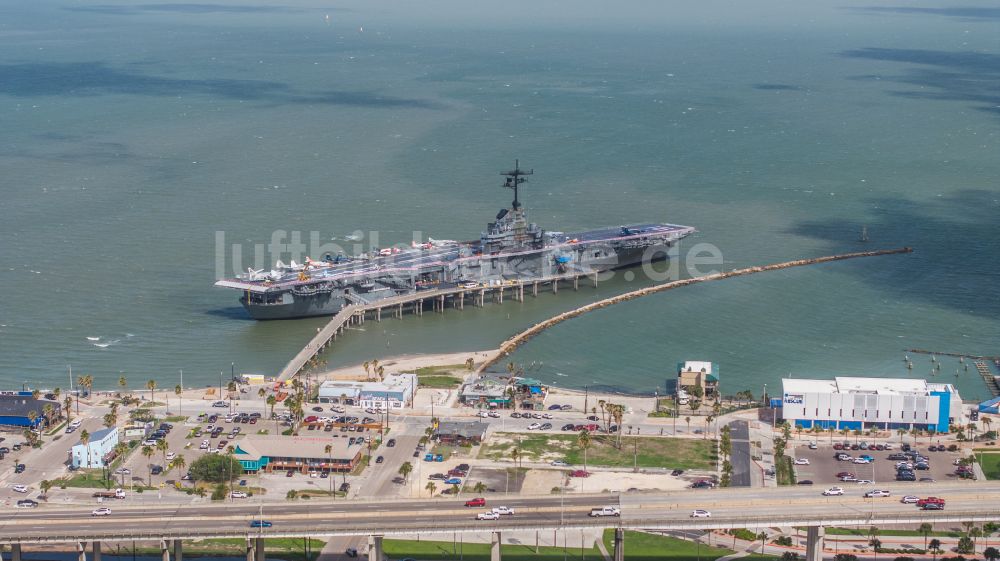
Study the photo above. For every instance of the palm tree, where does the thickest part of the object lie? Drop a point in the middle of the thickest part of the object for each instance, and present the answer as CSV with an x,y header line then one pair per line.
x,y
178,462
470,363
110,420
515,454
122,382
67,407
85,440
975,534
262,393
708,425
151,386
177,391
148,451
688,421
231,388
935,546
45,485
381,373
328,449
480,487
431,487
163,447
763,538
405,470
583,439
925,529
86,381
367,366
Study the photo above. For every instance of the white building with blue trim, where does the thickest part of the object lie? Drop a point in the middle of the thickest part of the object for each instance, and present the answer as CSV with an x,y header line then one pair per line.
x,y
98,451
866,403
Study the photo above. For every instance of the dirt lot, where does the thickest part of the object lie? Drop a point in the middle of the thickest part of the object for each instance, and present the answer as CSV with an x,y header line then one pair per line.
x,y
823,466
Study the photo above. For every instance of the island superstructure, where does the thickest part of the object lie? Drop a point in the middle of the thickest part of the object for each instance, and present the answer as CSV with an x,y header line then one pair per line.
x,y
511,249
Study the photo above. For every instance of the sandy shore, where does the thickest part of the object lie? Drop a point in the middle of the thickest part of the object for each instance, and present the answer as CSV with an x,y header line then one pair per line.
x,y
405,363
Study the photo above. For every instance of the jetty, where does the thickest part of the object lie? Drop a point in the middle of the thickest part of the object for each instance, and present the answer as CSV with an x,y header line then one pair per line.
x,y
510,344
417,303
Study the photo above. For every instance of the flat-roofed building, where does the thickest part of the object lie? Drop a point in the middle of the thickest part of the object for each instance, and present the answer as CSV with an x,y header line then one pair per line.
x,y
857,403
297,453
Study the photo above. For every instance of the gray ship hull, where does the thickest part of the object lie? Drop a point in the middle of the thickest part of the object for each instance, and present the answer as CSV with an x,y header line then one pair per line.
x,y
510,250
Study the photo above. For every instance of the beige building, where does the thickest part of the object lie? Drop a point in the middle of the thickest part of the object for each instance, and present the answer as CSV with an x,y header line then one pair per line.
x,y
694,373
299,453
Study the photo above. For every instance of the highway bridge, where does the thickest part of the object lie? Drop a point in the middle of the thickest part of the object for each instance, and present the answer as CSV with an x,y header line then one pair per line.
x,y
170,525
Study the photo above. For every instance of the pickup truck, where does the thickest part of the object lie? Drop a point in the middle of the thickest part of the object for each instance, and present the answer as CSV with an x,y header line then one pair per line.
x,y
116,494
606,511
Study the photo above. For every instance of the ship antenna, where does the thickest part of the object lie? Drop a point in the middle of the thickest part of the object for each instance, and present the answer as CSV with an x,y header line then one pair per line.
x,y
514,179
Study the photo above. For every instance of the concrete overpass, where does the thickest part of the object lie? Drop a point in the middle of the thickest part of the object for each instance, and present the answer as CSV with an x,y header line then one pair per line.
x,y
170,525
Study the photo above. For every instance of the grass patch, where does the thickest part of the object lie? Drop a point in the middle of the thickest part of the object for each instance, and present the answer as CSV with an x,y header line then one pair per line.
x,y
176,419
88,479
290,549
990,464
863,532
784,472
57,429
661,452
434,550
640,545
445,381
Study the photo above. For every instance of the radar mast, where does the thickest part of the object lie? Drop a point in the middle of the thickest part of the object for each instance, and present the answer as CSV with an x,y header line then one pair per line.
x,y
514,179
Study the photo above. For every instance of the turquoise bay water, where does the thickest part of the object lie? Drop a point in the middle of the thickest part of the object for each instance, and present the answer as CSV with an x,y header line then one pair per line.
x,y
133,132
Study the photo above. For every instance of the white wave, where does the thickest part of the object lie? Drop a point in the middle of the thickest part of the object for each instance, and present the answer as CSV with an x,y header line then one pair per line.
x,y
93,338
108,344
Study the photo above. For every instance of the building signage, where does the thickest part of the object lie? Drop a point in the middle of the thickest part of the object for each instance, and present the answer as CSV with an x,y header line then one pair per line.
x,y
793,398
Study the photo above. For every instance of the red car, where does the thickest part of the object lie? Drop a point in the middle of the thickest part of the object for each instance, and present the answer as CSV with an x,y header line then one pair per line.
x,y
478,501
930,500
592,427
580,473
311,419
457,472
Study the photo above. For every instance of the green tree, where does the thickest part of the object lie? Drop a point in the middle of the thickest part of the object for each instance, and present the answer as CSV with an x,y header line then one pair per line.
x,y
479,488
151,386
584,441
935,547
122,382
85,440
845,557
965,545
178,463
215,468
163,447
177,391
991,554
68,408
405,470
431,487
45,485
925,530
148,452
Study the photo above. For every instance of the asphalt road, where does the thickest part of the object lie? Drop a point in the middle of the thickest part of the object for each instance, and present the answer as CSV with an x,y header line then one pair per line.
x,y
753,507
739,435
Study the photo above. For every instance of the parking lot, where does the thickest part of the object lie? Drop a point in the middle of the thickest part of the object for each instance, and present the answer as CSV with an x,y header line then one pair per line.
x,y
823,468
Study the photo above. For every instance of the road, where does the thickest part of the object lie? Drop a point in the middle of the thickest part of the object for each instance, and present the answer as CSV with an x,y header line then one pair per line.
x,y
740,457
730,508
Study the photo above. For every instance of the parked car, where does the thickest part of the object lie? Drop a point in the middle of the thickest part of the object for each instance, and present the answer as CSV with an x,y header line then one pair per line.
x,y
453,481
559,463
390,443
801,461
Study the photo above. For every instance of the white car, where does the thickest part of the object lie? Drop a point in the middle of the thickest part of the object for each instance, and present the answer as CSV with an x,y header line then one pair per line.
x,y
534,426
559,463
878,493
20,488
495,414
170,456
488,516
833,491
910,499
699,513
801,461
483,414
103,511
503,510
238,495
204,445
860,461
546,415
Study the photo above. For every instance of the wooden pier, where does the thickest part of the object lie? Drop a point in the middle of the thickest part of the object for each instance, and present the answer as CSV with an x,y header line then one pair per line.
x,y
983,368
394,307
510,344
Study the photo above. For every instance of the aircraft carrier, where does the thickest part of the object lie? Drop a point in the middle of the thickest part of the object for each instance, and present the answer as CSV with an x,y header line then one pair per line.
x,y
511,250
